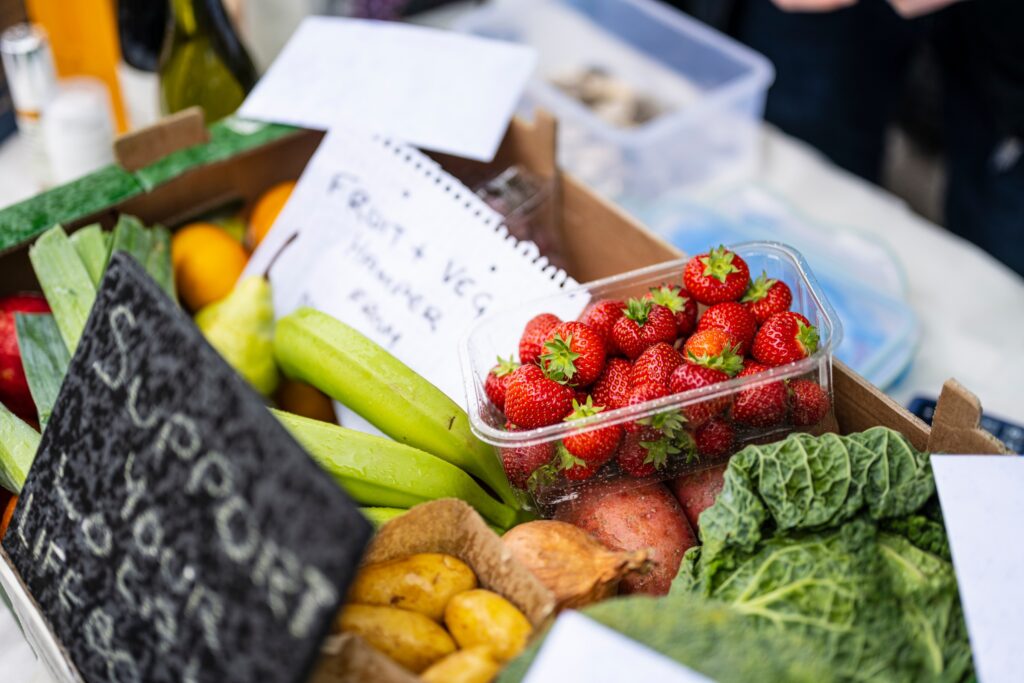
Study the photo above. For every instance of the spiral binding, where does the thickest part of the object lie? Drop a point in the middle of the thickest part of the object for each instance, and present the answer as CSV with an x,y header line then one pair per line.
x,y
487,216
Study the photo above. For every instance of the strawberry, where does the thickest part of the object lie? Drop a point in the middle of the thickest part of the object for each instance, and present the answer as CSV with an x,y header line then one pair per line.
x,y
573,354
602,316
641,393
583,453
679,301
767,297
531,344
497,381
808,402
613,386
713,348
714,439
735,319
644,324
784,338
656,364
646,452
760,406
688,376
522,461
717,276
534,400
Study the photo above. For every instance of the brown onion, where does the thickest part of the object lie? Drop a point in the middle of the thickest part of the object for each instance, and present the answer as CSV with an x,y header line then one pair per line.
x,y
571,563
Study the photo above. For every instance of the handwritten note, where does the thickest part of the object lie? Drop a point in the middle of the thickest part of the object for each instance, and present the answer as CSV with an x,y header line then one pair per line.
x,y
170,529
435,89
379,236
982,498
580,649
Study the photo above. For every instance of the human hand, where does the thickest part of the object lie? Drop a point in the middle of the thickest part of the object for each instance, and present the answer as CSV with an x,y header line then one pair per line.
x,y
915,8
813,5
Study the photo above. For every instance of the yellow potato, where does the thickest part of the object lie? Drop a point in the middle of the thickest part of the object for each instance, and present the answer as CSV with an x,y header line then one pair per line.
x,y
409,638
475,665
422,583
480,617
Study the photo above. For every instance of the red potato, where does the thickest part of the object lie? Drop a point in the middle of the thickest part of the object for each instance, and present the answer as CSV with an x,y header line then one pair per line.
x,y
635,518
697,491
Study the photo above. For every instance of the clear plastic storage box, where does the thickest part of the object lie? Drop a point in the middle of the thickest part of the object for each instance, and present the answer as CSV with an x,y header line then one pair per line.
x,y
703,92
499,334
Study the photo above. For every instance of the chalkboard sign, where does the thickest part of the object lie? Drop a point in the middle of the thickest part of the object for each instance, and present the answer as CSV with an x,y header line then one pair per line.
x,y
170,529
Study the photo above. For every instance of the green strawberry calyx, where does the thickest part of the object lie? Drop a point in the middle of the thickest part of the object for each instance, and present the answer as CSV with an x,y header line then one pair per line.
x,y
559,361
542,476
669,423
566,460
718,263
728,360
583,410
686,445
669,298
807,337
637,310
658,451
759,288
505,366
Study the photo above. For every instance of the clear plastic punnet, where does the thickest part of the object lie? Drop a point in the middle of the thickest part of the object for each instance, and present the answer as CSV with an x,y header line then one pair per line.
x,y
672,425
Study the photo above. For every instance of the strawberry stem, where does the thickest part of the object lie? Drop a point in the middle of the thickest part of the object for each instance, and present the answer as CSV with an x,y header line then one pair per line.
x,y
758,288
582,410
558,362
718,263
505,366
566,460
728,361
669,298
658,451
807,337
637,310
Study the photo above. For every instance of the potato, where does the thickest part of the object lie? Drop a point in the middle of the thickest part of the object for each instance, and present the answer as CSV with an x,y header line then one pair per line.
x,y
481,617
626,517
697,491
421,583
474,665
409,638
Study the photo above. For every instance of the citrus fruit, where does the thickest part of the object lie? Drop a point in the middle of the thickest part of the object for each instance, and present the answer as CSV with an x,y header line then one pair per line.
x,y
207,262
305,400
266,209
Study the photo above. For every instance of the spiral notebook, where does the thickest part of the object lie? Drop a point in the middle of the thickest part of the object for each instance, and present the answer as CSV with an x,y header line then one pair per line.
x,y
378,235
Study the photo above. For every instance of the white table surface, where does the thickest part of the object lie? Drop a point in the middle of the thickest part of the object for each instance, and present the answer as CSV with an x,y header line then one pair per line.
x,y
971,307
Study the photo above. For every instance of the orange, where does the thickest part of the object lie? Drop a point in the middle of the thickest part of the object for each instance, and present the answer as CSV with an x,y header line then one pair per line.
x,y
266,210
305,400
207,262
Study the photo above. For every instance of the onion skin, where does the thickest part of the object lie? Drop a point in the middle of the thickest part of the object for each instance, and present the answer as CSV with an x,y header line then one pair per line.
x,y
577,568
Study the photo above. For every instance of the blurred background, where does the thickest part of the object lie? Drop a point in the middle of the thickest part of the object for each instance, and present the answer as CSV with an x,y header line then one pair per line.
x,y
882,138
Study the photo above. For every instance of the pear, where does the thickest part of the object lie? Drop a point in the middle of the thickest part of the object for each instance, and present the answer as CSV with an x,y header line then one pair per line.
x,y
241,327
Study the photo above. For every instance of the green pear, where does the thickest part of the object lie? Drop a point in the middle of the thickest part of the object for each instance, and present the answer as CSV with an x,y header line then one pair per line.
x,y
241,327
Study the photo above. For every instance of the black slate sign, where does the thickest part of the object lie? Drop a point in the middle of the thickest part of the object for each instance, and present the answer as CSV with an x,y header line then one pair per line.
x,y
170,529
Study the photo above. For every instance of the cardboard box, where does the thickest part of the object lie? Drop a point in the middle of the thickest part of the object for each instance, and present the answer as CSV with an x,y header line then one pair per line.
x,y
442,526
599,240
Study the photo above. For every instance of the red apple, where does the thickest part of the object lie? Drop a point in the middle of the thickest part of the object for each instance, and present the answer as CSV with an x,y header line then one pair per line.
x,y
14,391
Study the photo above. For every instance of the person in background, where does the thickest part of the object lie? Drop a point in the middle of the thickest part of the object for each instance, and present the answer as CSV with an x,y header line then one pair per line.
x,y
842,66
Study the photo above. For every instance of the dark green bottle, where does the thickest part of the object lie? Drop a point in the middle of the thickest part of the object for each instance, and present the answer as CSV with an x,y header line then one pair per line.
x,y
205,63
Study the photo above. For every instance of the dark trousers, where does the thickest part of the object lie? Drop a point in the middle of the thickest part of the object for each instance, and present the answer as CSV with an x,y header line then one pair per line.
x,y
840,76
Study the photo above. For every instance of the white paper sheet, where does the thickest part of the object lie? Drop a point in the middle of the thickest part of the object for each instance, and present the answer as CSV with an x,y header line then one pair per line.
x,y
379,236
580,649
982,498
434,89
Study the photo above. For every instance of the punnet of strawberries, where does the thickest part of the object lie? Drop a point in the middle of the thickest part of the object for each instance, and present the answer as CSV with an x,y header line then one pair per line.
x,y
711,325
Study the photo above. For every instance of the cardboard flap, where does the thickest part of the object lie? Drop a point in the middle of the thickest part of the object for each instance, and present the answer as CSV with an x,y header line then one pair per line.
x,y
150,144
955,426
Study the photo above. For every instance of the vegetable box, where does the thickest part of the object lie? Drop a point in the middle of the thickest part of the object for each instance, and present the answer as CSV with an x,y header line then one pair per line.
x,y
173,173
